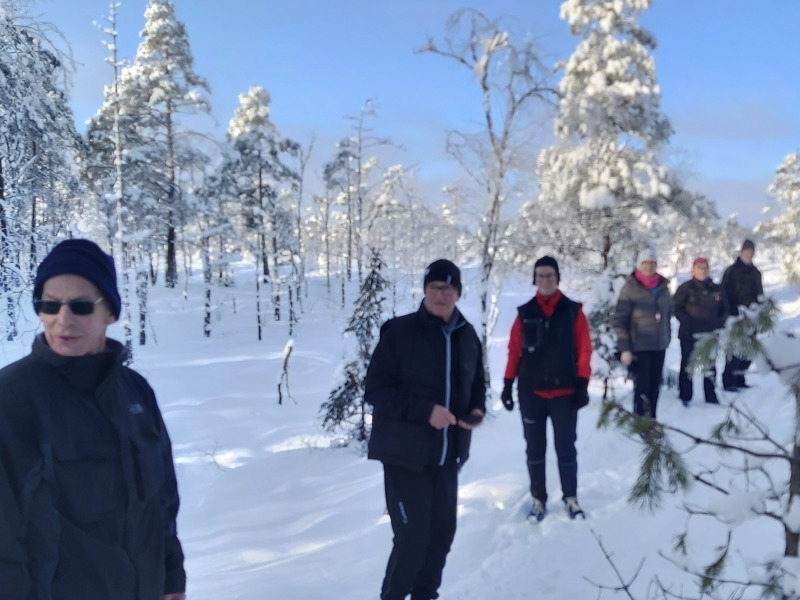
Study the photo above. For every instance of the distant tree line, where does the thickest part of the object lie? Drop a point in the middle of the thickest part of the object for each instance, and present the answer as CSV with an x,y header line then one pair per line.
x,y
167,199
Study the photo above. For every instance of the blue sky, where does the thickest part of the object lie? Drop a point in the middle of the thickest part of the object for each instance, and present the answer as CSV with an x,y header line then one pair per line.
x,y
726,67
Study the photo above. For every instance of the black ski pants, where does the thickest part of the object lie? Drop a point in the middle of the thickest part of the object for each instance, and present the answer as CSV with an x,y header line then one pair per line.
x,y
733,375
422,507
563,414
647,370
685,384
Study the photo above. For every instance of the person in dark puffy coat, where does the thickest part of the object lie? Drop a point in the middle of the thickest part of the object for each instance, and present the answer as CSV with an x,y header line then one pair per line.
x,y
742,284
426,384
642,324
700,306
88,495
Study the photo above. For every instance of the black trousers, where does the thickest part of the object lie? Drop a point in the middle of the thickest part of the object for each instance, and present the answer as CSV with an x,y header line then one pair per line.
x,y
733,375
564,415
422,507
647,370
685,378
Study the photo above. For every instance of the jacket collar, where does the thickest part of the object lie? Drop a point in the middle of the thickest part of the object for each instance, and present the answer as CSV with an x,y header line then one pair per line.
x,y
84,372
455,322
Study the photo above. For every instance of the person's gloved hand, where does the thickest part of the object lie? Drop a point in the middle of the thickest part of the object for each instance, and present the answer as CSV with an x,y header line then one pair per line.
x,y
581,392
506,396
626,358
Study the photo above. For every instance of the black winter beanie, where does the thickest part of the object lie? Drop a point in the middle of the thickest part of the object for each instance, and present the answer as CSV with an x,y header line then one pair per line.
x,y
83,258
443,270
547,261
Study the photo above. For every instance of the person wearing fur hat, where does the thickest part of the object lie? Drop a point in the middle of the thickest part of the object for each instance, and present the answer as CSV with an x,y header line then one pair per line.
x,y
742,284
549,351
426,384
700,307
642,323
87,483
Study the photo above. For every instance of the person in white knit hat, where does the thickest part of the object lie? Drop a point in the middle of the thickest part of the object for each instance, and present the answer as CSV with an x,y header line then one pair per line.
x,y
642,324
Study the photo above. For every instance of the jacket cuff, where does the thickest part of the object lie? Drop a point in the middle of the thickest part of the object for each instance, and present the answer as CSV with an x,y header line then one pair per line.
x,y
175,581
175,575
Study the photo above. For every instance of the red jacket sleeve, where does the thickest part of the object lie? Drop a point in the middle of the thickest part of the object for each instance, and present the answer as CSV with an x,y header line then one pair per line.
x,y
514,350
583,346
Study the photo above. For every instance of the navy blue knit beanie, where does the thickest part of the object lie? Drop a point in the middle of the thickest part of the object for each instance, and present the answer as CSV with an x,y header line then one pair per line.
x,y
84,258
547,261
443,270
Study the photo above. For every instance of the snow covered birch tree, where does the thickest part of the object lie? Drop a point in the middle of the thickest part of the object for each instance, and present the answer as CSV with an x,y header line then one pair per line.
x,y
785,227
513,82
100,177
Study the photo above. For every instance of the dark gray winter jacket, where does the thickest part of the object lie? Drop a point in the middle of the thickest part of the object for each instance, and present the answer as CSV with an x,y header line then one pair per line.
x,y
742,285
88,497
416,365
642,316
700,307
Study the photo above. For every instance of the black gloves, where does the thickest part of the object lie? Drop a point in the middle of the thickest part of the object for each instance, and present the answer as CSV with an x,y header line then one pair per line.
x,y
506,397
581,392
581,397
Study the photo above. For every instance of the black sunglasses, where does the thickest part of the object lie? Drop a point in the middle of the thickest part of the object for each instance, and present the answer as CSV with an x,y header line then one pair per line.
x,y
80,308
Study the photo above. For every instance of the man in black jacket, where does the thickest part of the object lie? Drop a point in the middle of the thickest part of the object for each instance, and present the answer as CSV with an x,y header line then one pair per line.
x,y
742,284
426,385
700,306
88,496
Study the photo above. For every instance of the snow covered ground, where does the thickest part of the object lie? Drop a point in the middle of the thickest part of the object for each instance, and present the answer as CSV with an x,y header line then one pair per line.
x,y
272,510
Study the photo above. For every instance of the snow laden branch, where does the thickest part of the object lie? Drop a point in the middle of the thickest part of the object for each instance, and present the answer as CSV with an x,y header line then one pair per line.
x,y
750,477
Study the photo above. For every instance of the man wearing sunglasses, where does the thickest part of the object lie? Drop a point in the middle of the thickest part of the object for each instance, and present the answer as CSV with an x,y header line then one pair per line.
x,y
88,495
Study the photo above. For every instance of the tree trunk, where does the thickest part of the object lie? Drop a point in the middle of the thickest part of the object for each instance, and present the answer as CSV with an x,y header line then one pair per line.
x,y
5,259
221,256
3,233
207,284
349,252
489,247
264,264
32,248
122,260
276,281
141,295
327,234
291,311
3,229
793,537
153,269
258,300
171,274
